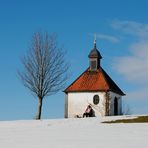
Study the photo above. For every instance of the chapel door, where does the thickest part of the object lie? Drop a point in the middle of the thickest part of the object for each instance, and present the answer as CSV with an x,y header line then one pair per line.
x,y
115,106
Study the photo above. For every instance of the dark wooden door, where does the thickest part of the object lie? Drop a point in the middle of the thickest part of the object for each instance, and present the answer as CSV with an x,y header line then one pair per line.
x,y
115,106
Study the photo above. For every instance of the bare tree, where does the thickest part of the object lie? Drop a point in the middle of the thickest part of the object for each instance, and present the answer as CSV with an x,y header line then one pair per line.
x,y
44,67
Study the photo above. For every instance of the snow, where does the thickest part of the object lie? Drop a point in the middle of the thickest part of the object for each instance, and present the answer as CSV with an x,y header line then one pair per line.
x,y
73,133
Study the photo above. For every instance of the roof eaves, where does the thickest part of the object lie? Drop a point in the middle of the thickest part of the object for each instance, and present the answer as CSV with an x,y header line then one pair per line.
x,y
87,91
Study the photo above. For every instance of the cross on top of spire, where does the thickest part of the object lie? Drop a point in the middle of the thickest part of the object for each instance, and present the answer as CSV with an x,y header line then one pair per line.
x,y
94,53
95,38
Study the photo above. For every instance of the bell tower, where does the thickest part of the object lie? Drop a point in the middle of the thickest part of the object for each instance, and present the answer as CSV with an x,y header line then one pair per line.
x,y
94,58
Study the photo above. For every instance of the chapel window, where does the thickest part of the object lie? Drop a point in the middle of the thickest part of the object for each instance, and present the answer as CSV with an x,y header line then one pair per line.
x,y
96,99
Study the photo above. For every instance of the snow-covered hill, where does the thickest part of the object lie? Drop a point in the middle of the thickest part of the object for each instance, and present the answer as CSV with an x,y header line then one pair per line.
x,y
72,133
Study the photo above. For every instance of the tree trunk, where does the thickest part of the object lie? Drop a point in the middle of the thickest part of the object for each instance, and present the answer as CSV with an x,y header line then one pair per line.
x,y
38,115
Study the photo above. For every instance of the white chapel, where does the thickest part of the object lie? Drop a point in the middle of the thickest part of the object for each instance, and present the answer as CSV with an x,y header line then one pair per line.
x,y
93,87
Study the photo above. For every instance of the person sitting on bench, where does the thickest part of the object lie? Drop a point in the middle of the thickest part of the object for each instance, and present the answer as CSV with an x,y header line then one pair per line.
x,y
88,112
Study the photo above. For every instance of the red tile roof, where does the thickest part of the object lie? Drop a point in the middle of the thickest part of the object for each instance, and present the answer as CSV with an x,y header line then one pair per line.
x,y
94,81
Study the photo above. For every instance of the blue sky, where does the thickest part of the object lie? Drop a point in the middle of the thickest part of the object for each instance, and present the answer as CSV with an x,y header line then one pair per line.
x,y
122,35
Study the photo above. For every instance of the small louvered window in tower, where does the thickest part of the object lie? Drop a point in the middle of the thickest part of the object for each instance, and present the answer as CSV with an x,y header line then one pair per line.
x,y
93,65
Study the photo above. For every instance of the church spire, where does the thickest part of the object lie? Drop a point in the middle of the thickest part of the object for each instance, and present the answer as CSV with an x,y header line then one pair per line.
x,y
94,57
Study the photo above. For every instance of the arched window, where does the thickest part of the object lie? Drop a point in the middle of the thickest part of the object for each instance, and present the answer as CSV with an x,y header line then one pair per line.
x,y
96,99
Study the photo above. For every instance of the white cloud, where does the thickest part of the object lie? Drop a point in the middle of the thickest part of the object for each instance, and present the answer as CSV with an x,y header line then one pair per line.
x,y
131,27
140,49
135,66
109,38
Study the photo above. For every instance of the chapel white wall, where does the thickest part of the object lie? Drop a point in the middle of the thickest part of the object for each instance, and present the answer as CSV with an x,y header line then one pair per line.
x,y
78,101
